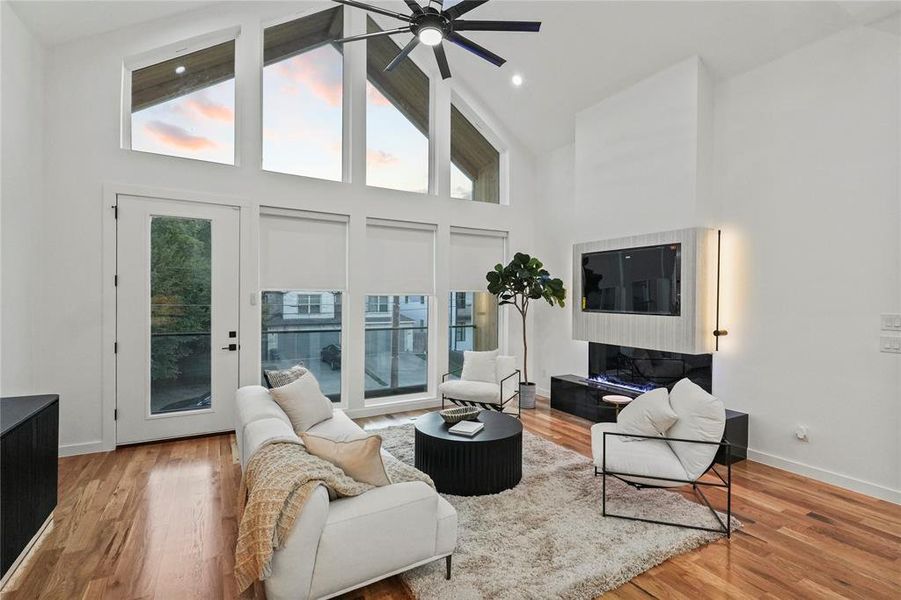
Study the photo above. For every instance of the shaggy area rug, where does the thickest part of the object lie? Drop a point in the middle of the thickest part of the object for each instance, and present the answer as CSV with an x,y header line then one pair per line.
x,y
546,537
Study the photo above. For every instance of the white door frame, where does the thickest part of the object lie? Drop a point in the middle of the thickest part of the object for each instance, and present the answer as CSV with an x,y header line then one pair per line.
x,y
248,268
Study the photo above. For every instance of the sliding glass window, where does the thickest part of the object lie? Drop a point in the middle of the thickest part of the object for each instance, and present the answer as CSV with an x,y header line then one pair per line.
x,y
397,118
185,106
303,96
302,327
475,162
397,345
473,326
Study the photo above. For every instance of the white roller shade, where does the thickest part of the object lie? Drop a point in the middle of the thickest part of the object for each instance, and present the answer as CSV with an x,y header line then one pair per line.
x,y
302,250
474,252
400,257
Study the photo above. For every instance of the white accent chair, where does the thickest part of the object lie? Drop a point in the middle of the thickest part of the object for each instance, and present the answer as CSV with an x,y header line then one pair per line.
x,y
486,380
681,457
338,546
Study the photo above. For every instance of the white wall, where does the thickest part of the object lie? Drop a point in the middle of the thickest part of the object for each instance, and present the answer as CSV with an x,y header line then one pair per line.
x,y
20,201
802,177
632,169
807,172
82,154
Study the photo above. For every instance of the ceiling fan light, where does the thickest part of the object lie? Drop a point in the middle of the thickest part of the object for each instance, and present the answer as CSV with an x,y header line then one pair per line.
x,y
430,36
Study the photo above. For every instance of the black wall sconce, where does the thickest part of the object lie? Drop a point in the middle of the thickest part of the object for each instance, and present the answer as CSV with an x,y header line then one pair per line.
x,y
718,332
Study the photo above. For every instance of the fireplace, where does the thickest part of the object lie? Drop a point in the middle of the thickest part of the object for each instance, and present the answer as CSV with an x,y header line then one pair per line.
x,y
637,370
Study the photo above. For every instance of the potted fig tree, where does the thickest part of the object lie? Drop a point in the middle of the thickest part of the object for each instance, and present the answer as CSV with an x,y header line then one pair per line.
x,y
524,279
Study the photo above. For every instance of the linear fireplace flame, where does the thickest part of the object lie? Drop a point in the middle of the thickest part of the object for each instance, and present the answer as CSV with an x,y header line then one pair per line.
x,y
616,382
635,371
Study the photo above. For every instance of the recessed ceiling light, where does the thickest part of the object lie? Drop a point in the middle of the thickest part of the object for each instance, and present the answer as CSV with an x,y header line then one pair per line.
x,y
517,80
180,69
430,36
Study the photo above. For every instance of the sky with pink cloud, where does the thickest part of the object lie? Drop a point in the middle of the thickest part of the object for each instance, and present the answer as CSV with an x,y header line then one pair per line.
x,y
198,125
302,127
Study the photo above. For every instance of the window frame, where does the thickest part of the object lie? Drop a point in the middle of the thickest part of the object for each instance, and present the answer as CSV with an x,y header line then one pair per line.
x,y
149,58
462,100
346,98
343,396
432,347
435,81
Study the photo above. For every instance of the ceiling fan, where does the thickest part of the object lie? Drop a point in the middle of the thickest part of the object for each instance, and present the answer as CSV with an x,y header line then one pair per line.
x,y
431,26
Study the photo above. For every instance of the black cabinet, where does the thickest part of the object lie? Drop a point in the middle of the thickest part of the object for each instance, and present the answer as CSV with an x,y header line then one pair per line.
x,y
29,442
576,396
737,434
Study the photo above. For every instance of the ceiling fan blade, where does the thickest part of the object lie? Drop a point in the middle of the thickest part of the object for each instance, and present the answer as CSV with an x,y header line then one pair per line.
x,y
414,6
403,53
461,8
364,36
441,57
530,26
476,49
375,9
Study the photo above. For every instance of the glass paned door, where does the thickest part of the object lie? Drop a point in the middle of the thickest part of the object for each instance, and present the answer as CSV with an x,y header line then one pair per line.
x,y
177,318
180,308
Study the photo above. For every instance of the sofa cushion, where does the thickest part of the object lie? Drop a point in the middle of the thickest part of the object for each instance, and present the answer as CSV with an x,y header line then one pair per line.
x,y
701,417
281,377
480,366
303,402
648,414
382,531
651,457
258,432
339,427
360,459
446,540
471,391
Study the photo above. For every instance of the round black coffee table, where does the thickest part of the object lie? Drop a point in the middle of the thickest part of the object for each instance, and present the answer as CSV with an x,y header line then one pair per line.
x,y
487,463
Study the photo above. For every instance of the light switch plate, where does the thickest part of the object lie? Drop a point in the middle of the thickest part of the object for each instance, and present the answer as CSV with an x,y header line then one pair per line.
x,y
891,322
890,343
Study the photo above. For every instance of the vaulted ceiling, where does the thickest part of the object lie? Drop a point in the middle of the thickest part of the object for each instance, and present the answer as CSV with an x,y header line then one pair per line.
x,y
586,50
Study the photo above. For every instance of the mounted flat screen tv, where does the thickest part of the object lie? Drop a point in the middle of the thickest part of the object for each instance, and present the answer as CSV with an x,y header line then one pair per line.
x,y
645,280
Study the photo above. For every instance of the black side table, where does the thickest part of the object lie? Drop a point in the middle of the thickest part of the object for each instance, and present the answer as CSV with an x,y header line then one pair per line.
x,y
487,463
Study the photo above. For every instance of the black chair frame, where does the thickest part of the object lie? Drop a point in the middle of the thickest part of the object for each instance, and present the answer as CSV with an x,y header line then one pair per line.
x,y
489,405
696,485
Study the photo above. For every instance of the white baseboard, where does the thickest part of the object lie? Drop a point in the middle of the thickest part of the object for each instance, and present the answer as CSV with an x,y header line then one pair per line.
x,y
392,407
844,481
540,391
82,448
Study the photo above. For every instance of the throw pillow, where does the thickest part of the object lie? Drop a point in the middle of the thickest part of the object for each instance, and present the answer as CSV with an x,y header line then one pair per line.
x,y
303,402
480,366
280,377
701,417
649,414
360,459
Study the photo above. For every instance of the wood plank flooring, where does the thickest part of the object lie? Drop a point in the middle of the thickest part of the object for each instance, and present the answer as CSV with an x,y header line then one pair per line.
x,y
158,521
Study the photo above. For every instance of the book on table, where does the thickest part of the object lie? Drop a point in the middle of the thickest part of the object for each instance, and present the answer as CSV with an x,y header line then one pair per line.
x,y
467,428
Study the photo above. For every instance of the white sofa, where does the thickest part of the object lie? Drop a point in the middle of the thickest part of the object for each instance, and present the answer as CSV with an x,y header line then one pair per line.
x,y
341,545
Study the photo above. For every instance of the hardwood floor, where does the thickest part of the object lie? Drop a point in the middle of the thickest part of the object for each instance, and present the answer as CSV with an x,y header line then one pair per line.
x,y
159,521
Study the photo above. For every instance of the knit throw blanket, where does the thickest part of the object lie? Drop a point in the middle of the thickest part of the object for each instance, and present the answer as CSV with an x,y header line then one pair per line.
x,y
279,478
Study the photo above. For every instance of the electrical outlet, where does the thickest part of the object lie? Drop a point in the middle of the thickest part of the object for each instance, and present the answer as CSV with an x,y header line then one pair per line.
x,y
891,322
802,434
890,343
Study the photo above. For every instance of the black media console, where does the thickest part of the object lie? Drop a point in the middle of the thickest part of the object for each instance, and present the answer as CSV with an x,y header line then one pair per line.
x,y
29,447
581,397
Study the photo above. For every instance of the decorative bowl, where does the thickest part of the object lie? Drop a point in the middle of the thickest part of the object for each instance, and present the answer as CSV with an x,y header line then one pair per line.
x,y
452,416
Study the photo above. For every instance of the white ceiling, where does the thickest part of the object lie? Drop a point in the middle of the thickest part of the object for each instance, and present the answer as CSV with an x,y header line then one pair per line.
x,y
586,50
59,21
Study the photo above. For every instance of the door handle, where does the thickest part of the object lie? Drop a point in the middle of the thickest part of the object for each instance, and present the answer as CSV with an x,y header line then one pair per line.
x,y
230,347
